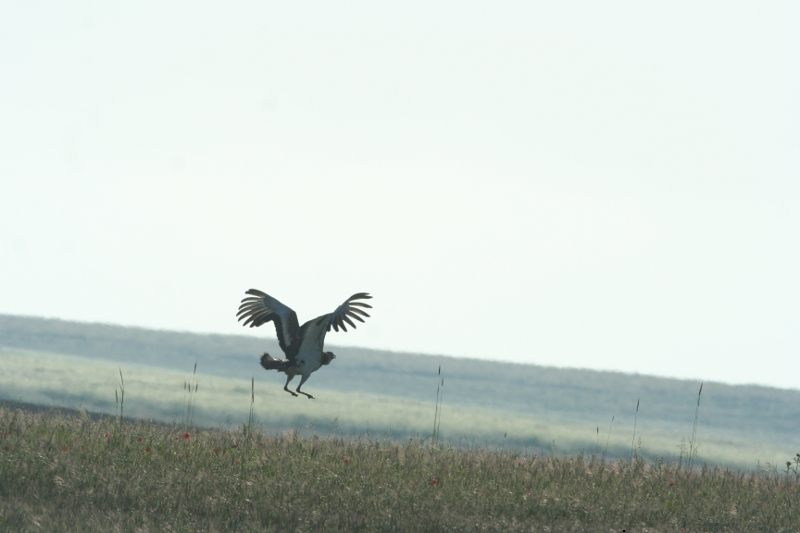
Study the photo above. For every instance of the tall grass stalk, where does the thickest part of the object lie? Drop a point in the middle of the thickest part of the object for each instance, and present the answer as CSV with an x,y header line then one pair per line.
x,y
439,423
693,440
190,398
633,439
119,394
249,427
608,436
437,418
597,442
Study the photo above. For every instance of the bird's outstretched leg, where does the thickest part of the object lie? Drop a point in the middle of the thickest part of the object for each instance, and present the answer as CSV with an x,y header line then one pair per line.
x,y
303,380
289,377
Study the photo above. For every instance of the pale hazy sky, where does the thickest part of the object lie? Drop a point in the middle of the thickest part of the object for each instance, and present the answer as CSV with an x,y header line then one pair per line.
x,y
585,184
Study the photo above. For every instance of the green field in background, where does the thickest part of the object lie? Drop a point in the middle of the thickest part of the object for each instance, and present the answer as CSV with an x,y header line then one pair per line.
x,y
159,394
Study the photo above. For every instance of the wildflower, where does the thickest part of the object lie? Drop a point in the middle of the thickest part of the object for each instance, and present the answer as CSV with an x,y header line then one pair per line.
x,y
106,435
671,483
141,439
347,460
186,436
216,451
235,446
434,481
8,448
84,448
65,448
147,450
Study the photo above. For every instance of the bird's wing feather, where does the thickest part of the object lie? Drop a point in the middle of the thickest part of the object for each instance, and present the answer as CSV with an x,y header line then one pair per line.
x,y
313,332
349,309
260,308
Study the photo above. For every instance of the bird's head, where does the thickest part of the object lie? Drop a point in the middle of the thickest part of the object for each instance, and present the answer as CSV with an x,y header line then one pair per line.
x,y
327,357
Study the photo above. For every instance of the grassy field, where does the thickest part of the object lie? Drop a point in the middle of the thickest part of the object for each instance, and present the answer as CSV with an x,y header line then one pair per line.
x,y
72,473
160,394
528,407
520,447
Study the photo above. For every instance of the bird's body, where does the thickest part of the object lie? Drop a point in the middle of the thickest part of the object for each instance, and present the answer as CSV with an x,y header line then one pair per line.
x,y
302,345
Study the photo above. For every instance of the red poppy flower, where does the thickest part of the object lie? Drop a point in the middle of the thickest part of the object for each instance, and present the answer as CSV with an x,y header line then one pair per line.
x,y
147,450
106,435
235,446
434,481
346,460
186,436
8,448
64,448
671,483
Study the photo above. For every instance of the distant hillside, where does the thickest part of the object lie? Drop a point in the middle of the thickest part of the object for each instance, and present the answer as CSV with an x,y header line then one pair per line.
x,y
571,395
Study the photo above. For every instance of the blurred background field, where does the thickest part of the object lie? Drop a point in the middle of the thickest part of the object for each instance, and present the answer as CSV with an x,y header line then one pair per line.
x,y
533,409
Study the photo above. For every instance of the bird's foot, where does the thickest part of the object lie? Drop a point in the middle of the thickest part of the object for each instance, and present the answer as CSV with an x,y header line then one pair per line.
x,y
290,392
306,394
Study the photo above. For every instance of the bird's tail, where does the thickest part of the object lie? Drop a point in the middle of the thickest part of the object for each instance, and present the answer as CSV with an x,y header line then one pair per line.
x,y
270,363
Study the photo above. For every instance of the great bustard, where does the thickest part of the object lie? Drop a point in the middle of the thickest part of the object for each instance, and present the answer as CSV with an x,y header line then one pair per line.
x,y
301,344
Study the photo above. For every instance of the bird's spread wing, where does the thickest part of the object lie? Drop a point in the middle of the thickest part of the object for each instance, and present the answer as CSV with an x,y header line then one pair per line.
x,y
260,308
314,331
351,308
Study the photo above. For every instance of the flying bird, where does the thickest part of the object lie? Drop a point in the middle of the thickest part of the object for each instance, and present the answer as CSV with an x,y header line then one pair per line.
x,y
301,344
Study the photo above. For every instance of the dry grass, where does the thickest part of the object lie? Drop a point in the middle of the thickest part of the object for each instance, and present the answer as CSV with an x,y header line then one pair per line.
x,y
72,473
160,394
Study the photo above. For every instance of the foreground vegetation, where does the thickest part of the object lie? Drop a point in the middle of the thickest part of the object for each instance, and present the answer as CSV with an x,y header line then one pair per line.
x,y
70,364
157,393
72,473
